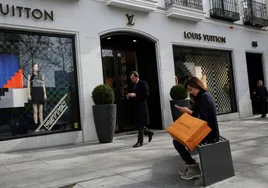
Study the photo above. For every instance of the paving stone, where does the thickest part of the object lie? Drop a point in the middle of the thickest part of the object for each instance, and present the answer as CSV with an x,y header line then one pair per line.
x,y
251,159
241,182
4,171
25,166
113,182
244,167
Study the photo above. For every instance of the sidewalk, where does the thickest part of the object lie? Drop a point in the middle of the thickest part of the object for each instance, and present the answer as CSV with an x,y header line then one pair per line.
x,y
118,165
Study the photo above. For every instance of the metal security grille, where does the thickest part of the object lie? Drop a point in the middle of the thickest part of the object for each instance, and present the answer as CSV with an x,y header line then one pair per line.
x,y
195,4
225,9
9,44
216,66
255,13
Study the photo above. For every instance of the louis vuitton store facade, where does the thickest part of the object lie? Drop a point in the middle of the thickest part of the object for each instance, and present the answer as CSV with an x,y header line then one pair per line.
x,y
78,45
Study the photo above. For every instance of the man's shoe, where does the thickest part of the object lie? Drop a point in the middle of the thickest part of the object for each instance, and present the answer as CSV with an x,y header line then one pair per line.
x,y
263,116
150,135
193,172
137,145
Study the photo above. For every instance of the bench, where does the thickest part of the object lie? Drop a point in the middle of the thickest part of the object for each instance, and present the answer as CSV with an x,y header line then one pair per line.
x,y
216,161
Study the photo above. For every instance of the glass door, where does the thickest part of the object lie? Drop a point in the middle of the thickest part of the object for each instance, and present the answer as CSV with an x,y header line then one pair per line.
x,y
117,64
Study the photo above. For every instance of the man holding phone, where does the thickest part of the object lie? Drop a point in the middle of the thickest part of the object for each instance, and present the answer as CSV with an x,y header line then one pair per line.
x,y
140,93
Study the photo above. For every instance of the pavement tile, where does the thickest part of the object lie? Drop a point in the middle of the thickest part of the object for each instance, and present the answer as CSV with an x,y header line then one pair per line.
x,y
26,185
25,166
11,157
116,181
244,167
241,182
235,147
37,175
17,160
61,159
41,153
251,159
4,171
77,186
261,151
71,176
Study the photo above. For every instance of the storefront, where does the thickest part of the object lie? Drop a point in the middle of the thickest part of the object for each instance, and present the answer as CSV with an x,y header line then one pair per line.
x,y
81,44
214,68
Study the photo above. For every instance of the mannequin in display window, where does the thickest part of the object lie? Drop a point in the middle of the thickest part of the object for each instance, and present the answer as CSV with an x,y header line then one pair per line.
x,y
37,93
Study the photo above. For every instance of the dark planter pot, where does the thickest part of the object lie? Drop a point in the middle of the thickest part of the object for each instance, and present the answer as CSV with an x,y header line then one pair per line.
x,y
105,120
174,111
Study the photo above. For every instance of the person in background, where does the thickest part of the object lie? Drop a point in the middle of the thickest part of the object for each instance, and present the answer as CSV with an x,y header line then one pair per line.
x,y
140,93
261,95
204,108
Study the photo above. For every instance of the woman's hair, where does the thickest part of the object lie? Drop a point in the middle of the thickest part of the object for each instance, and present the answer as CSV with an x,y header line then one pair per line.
x,y
195,83
37,66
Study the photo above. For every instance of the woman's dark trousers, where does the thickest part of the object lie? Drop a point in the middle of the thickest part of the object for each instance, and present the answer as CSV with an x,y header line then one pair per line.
x,y
184,153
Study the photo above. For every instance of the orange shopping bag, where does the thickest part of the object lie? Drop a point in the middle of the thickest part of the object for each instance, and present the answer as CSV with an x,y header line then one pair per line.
x,y
189,131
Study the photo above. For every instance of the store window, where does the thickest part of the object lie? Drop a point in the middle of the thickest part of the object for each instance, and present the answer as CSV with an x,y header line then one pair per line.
x,y
38,85
214,68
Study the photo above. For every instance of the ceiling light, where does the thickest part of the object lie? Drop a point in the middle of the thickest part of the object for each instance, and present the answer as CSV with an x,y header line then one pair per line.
x,y
134,41
108,38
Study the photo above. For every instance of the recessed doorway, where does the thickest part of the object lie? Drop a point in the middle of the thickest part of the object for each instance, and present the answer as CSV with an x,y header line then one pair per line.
x,y
121,54
255,73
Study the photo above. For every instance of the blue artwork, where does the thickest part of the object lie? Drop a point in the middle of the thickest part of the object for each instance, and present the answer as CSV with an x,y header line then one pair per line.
x,y
9,65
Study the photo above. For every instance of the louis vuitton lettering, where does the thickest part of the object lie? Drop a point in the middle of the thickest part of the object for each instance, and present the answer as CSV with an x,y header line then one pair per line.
x,y
26,12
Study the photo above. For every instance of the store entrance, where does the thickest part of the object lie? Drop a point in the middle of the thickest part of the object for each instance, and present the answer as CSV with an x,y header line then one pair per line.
x,y
255,73
121,54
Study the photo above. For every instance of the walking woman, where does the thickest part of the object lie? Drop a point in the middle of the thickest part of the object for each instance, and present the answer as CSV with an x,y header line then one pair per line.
x,y
204,108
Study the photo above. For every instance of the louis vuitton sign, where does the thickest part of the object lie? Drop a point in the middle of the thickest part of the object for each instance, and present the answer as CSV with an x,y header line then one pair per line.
x,y
205,37
26,12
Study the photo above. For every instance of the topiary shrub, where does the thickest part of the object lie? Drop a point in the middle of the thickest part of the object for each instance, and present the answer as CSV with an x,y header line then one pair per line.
x,y
178,92
103,94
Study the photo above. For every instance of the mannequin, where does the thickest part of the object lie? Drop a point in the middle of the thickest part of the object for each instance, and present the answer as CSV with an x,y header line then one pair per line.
x,y
37,93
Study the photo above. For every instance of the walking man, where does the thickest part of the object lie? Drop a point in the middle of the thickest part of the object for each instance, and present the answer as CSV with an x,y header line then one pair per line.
x,y
140,92
261,94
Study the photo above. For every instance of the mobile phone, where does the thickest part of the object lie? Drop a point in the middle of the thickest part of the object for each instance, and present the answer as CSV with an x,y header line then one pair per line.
x,y
177,106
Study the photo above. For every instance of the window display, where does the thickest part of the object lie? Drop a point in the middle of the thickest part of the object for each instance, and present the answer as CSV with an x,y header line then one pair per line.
x,y
214,68
38,86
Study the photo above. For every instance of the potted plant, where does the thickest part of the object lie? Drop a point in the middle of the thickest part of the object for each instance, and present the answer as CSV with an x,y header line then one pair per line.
x,y
104,112
178,95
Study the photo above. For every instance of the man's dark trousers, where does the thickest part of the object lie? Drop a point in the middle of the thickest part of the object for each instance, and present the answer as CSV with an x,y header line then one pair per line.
x,y
263,108
142,130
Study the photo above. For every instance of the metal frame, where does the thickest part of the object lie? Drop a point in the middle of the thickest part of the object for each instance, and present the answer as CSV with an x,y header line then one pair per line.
x,y
255,13
194,4
225,10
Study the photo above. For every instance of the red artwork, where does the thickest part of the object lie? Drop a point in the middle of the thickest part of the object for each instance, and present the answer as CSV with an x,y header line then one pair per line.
x,y
16,81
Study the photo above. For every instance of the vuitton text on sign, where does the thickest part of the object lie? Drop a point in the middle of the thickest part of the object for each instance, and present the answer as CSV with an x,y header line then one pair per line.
x,y
205,37
26,12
